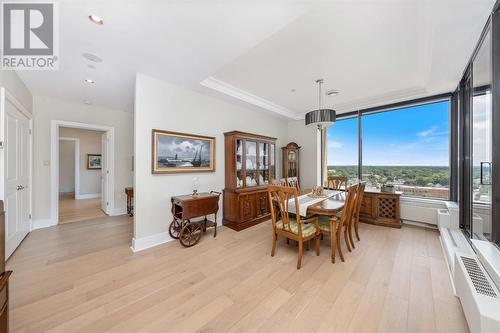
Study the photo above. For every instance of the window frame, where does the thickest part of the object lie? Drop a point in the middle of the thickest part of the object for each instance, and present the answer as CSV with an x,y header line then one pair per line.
x,y
452,100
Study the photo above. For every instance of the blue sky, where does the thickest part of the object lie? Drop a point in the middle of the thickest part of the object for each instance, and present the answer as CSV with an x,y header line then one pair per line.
x,y
412,136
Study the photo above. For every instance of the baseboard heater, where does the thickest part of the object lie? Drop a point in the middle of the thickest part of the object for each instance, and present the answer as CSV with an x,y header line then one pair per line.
x,y
478,294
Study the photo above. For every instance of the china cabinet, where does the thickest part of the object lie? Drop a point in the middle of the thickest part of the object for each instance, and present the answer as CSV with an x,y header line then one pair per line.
x,y
250,165
291,161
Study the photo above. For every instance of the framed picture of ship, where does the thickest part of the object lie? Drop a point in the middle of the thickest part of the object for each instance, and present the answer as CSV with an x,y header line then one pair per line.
x,y
179,152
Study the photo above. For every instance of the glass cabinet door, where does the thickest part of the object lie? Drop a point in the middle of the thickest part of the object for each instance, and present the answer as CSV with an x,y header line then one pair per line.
x,y
251,178
272,162
292,163
239,163
263,163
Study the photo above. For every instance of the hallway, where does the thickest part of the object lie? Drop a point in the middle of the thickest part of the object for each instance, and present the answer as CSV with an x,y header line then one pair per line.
x,y
71,210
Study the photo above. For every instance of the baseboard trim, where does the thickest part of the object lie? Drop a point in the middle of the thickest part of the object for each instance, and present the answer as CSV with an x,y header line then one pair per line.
x,y
118,211
420,224
87,196
139,244
43,223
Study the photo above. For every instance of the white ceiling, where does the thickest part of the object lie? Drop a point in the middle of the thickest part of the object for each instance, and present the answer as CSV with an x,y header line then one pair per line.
x,y
256,51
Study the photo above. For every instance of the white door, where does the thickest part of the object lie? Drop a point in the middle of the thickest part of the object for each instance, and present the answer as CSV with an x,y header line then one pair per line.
x,y
17,177
104,174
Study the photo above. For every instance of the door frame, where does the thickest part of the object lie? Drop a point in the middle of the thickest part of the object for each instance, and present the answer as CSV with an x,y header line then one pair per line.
x,y
77,163
54,165
5,95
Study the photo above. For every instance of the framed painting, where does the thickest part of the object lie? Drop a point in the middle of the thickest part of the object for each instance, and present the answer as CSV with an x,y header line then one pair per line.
x,y
94,161
179,152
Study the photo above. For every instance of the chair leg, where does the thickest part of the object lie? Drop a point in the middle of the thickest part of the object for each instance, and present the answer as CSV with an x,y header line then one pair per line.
x,y
333,243
317,244
339,244
299,259
356,228
275,237
288,241
346,238
308,245
351,240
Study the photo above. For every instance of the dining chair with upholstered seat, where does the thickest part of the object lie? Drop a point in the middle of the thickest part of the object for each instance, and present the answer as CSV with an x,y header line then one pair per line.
x,y
336,225
293,182
336,182
300,230
357,209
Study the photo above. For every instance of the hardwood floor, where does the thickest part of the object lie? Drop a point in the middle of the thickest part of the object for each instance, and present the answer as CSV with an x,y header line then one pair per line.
x,y
83,277
71,210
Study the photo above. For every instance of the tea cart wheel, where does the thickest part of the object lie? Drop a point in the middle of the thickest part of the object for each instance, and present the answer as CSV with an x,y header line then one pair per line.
x,y
175,228
190,234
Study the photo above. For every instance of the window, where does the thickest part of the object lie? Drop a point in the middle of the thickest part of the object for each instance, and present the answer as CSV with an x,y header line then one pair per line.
x,y
343,149
407,149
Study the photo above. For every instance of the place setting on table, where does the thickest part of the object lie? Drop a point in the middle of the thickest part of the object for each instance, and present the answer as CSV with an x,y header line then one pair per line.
x,y
313,201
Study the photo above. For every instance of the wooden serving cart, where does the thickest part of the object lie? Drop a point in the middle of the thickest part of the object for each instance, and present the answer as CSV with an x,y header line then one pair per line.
x,y
188,207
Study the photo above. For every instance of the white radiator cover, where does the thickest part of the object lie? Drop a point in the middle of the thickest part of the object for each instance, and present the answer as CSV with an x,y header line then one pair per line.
x,y
424,211
482,312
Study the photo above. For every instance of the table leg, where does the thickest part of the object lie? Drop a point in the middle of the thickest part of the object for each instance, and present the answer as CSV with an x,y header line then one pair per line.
x,y
215,227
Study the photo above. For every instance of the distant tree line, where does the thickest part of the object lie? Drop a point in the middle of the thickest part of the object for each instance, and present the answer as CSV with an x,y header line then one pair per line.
x,y
430,176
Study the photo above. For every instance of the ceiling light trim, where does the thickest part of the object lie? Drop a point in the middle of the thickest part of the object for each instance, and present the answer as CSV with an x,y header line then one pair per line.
x,y
227,89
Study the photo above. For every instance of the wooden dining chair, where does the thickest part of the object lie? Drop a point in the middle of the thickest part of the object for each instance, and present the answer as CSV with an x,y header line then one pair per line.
x,y
355,220
336,225
293,182
295,228
279,182
336,182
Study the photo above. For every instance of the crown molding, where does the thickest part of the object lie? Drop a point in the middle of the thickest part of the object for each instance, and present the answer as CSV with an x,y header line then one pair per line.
x,y
245,96
382,99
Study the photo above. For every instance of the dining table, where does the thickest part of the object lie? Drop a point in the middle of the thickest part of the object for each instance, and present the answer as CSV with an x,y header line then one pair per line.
x,y
329,206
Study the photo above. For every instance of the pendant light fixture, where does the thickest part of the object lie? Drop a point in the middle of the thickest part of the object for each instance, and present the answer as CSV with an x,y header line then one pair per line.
x,y
320,117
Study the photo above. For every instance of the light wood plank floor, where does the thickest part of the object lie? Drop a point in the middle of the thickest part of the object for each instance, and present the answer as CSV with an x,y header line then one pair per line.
x,y
83,277
71,210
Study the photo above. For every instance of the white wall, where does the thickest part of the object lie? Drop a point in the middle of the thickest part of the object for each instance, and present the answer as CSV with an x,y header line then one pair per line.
x,y
66,166
310,153
13,84
90,143
46,109
165,106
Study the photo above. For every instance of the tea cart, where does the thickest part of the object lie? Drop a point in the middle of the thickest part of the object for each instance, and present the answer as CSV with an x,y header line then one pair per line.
x,y
185,208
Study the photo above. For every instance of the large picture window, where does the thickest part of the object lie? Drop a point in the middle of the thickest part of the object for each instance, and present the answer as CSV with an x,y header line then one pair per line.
x,y
342,149
407,149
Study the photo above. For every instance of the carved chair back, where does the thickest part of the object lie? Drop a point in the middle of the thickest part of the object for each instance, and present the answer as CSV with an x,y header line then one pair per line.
x,y
359,199
337,182
349,205
293,182
280,199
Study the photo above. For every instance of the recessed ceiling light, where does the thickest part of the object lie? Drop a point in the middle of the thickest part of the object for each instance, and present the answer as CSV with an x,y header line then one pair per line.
x,y
89,81
87,102
91,57
332,92
293,90
96,19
